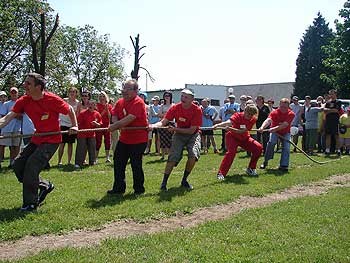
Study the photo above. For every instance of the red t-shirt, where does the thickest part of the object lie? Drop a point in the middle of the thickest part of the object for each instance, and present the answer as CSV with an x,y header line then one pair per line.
x,y
44,115
239,122
85,120
104,113
136,107
278,118
185,118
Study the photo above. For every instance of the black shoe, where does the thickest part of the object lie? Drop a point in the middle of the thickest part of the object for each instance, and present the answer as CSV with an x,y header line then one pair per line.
x,y
283,168
114,192
28,208
44,192
163,187
263,165
186,185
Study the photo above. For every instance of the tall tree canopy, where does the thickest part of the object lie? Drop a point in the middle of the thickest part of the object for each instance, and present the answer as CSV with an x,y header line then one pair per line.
x,y
14,35
74,56
309,63
83,57
339,55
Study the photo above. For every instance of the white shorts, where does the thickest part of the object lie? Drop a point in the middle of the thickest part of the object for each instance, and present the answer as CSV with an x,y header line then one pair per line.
x,y
10,141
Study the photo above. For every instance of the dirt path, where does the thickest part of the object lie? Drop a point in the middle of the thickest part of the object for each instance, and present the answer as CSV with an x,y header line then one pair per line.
x,y
121,229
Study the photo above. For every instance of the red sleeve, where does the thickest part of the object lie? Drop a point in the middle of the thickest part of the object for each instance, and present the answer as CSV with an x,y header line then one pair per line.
x,y
170,114
99,118
291,116
19,105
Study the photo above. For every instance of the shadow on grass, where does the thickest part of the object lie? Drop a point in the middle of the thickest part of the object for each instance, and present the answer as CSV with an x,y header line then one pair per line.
x,y
167,196
275,172
111,200
236,179
11,214
156,161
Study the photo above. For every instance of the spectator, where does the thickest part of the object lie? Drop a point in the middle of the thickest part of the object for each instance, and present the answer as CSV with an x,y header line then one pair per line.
x,y
105,109
311,124
153,117
243,99
164,134
344,131
263,114
66,124
87,119
229,109
296,108
13,128
209,114
332,110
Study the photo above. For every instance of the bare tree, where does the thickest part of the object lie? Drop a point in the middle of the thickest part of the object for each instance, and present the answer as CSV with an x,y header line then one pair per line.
x,y
137,58
44,43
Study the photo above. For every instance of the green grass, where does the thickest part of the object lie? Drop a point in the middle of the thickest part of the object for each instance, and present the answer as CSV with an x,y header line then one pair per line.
x,y
80,201
309,229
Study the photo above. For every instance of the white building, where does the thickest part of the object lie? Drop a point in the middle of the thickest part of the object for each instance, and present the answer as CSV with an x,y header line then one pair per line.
x,y
217,93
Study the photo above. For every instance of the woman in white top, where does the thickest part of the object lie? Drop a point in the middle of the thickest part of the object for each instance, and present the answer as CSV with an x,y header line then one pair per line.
x,y
65,124
165,135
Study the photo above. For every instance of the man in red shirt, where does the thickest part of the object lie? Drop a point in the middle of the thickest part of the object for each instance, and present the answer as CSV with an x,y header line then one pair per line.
x,y
188,117
279,121
238,135
43,108
129,111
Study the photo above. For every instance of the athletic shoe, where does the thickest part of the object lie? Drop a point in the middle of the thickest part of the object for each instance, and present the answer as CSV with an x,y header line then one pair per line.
x,y
44,192
163,187
252,172
28,208
108,160
220,177
263,165
186,185
77,166
283,168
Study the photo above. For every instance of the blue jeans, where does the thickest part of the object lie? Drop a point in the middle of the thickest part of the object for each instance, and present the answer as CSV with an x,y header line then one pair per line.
x,y
285,149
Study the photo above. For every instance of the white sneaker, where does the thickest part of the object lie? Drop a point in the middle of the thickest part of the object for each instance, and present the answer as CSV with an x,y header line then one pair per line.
x,y
220,177
77,166
251,172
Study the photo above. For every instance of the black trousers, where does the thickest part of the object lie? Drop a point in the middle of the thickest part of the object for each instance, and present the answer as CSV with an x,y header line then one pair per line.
x,y
122,154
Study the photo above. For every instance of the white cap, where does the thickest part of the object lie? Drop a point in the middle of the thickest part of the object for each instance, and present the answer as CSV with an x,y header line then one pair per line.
x,y
188,92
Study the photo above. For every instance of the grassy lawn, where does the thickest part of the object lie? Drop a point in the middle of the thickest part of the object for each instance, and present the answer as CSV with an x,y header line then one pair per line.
x,y
80,201
310,229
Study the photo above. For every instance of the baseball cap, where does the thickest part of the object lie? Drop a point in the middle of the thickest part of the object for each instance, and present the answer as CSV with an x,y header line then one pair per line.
x,y
155,98
295,98
307,97
188,92
13,88
3,93
231,96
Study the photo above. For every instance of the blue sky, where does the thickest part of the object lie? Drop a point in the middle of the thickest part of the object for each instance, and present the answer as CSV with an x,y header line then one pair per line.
x,y
229,42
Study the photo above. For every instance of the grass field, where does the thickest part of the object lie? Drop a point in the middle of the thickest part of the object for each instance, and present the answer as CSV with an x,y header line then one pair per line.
x,y
282,232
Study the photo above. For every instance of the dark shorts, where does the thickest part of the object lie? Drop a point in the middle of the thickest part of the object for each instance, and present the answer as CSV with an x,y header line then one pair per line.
x,y
331,128
66,138
207,132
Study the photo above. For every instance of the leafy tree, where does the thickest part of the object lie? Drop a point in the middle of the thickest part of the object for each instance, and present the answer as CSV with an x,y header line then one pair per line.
x,y
310,60
339,55
86,59
14,35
